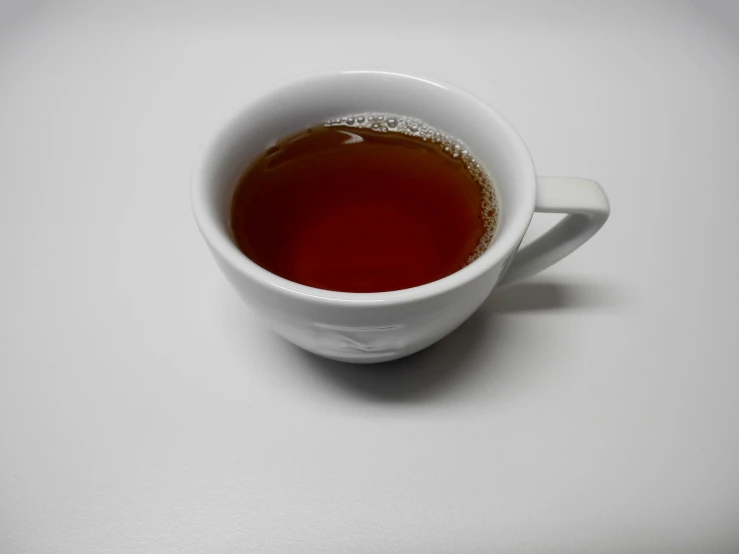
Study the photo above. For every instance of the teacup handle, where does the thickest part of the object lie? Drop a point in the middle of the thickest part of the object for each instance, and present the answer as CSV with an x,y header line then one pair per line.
x,y
587,207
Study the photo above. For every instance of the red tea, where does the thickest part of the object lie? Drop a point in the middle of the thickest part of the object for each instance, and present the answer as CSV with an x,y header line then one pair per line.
x,y
364,204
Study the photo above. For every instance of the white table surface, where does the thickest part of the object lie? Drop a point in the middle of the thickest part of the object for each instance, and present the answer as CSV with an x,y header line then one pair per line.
x,y
144,409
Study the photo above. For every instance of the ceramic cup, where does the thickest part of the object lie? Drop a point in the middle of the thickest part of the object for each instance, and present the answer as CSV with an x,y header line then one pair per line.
x,y
376,327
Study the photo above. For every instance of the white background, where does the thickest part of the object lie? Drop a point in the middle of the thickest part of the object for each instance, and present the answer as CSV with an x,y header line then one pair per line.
x,y
144,409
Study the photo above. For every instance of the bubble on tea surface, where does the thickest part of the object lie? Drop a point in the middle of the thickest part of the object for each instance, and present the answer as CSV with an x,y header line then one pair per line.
x,y
448,146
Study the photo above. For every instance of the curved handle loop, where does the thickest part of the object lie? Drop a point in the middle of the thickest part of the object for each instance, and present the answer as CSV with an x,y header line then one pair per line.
x,y
587,207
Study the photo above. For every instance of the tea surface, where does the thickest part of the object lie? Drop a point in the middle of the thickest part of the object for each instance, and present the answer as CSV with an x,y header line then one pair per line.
x,y
355,209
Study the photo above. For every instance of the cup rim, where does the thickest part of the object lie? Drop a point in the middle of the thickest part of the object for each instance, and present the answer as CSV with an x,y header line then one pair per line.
x,y
222,243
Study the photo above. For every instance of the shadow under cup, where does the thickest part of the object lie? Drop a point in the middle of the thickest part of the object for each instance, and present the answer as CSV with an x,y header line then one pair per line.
x,y
364,327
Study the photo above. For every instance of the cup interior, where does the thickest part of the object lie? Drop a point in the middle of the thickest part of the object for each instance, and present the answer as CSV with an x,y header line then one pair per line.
x,y
304,103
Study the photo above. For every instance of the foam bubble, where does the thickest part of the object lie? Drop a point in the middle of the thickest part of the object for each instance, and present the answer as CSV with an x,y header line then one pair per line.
x,y
451,146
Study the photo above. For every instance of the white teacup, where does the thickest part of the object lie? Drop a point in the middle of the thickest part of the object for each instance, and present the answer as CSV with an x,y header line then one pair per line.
x,y
376,327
